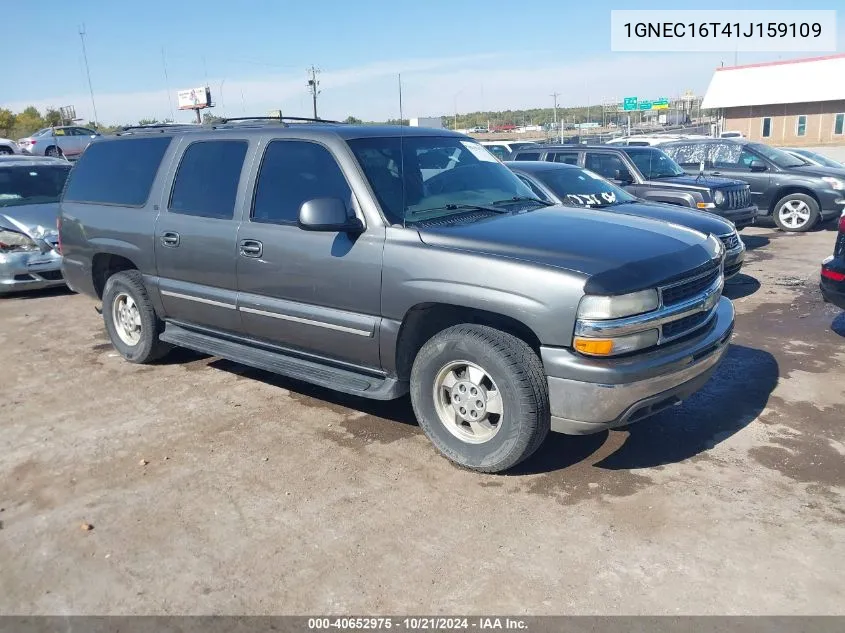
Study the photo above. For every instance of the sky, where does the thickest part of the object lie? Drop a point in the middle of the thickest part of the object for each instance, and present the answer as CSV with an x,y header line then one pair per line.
x,y
464,55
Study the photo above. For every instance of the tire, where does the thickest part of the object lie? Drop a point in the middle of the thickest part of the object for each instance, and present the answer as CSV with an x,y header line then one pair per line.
x,y
55,152
796,213
498,441
122,290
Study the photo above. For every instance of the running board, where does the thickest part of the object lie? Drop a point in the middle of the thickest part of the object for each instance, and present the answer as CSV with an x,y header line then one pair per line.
x,y
344,380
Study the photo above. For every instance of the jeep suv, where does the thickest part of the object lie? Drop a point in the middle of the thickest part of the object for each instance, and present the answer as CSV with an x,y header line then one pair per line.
x,y
794,193
379,261
648,173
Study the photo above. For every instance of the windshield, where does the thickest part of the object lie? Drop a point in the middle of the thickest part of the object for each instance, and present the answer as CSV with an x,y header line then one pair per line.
x,y
654,163
418,178
578,187
31,185
822,160
777,156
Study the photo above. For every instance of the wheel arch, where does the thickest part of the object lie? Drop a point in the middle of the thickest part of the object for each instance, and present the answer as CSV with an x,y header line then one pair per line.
x,y
786,190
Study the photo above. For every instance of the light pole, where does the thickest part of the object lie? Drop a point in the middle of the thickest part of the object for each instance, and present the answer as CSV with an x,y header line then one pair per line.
x,y
554,96
456,109
222,100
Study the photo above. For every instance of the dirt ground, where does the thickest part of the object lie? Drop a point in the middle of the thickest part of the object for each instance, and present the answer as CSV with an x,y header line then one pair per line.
x,y
213,488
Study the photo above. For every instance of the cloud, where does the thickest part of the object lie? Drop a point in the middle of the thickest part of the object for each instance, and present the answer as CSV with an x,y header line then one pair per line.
x,y
430,87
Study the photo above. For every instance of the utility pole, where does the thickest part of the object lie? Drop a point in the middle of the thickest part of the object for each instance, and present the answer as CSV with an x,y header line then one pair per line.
x,y
401,118
312,86
554,96
88,73
167,85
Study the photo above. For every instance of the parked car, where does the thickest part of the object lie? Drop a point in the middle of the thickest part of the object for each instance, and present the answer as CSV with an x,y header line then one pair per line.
x,y
575,187
794,193
731,134
642,140
320,252
478,129
8,146
503,149
29,204
814,158
66,140
648,173
833,270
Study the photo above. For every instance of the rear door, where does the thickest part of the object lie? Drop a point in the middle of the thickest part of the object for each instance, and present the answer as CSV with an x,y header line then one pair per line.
x,y
313,291
196,233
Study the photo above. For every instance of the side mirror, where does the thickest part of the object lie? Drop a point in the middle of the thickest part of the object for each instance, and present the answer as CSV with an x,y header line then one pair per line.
x,y
701,168
757,165
327,214
623,177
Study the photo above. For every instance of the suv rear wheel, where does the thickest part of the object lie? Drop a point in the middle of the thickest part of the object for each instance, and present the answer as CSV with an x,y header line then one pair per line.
x,y
481,397
796,213
130,318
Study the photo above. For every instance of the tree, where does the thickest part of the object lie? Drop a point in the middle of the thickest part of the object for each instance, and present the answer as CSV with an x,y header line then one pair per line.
x,y
7,120
210,119
352,120
147,121
27,122
53,117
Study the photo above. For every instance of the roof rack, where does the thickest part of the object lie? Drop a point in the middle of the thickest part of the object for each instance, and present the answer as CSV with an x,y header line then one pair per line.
x,y
274,118
154,126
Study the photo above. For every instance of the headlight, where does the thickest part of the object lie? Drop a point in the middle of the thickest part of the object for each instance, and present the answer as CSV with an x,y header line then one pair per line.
x,y
617,345
14,242
718,197
614,307
835,183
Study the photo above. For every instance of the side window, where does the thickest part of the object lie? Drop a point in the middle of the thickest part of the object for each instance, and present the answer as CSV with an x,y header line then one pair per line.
x,y
117,172
608,166
499,151
687,154
527,156
801,125
207,180
293,172
767,127
746,158
726,155
569,158
534,189
839,124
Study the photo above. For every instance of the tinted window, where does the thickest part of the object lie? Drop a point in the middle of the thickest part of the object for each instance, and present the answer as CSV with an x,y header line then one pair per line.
x,y
767,127
569,158
499,151
294,172
607,166
527,156
117,172
37,184
654,163
207,179
801,126
839,124
777,156
581,188
534,188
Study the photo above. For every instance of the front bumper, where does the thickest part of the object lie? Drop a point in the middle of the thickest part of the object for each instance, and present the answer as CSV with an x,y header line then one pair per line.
x,y
588,395
740,217
30,271
734,260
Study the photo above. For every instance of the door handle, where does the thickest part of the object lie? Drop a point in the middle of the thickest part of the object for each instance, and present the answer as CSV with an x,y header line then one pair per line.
x,y
251,248
170,238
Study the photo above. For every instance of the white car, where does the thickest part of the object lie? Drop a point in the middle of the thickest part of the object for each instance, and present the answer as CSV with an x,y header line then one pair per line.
x,y
68,141
503,149
8,146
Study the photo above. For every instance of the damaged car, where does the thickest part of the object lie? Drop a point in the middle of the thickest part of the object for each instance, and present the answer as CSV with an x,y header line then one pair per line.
x,y
30,257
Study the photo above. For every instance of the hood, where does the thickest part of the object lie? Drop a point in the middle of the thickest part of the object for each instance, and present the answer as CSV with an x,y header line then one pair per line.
x,y
818,171
618,253
696,182
36,220
701,221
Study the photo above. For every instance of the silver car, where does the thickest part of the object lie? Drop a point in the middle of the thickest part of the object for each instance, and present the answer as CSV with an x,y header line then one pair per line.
x,y
29,201
8,146
66,140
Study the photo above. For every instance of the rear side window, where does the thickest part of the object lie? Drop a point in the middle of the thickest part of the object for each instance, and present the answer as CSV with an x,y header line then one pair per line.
x,y
527,156
207,180
117,172
294,172
569,158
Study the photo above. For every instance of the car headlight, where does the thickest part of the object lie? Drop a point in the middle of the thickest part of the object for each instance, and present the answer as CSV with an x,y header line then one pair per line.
x,y
14,242
616,345
718,197
44,232
614,307
835,183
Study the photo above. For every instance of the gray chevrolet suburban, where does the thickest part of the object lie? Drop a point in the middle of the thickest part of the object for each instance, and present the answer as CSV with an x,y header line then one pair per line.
x,y
379,261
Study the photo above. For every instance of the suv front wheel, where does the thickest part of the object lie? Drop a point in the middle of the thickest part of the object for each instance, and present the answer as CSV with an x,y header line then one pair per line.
x,y
796,213
131,321
481,397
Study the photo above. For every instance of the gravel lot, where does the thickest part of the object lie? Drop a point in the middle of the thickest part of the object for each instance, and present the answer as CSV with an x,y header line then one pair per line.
x,y
213,488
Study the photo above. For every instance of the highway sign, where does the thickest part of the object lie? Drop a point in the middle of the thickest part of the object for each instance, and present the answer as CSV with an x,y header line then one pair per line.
x,y
630,103
644,105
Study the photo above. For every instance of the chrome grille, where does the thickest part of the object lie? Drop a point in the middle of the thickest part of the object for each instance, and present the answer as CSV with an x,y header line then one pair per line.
x,y
683,290
682,326
730,241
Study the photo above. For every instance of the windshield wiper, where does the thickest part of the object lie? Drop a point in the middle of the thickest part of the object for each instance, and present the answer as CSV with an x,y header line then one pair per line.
x,y
458,207
522,199
659,176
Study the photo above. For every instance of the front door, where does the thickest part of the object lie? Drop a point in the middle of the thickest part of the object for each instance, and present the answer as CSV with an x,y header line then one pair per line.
x,y
734,161
312,291
196,235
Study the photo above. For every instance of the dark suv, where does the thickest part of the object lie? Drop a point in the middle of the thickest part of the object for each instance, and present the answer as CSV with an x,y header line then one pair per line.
x,y
648,173
379,261
793,192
